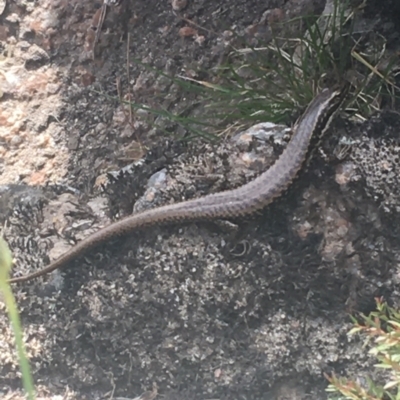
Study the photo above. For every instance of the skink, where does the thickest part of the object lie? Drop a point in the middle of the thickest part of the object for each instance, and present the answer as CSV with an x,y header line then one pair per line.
x,y
234,203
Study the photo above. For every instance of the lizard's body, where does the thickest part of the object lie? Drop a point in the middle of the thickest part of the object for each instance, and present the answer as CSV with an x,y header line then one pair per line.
x,y
239,202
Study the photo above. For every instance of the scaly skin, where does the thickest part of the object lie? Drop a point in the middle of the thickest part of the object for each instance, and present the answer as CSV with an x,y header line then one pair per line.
x,y
234,203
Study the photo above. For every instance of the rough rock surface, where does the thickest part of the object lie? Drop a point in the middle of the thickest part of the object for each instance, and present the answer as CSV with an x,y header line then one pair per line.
x,y
199,311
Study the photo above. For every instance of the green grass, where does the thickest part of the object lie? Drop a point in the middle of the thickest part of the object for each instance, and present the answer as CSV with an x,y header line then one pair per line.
x,y
271,82
5,268
382,329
